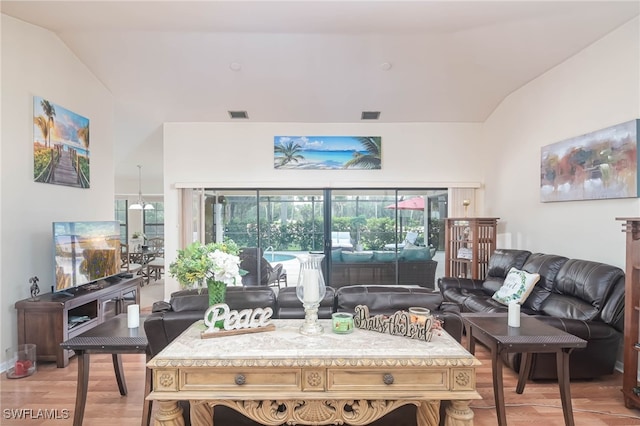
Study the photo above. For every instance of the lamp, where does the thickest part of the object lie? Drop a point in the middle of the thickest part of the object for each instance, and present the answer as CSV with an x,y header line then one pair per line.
x,y
140,205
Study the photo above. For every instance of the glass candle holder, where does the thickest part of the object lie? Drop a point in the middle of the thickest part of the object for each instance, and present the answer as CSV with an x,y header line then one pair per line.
x,y
311,290
342,322
419,314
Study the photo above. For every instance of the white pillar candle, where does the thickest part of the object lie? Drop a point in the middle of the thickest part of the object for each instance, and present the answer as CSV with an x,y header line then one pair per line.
x,y
310,283
514,315
133,316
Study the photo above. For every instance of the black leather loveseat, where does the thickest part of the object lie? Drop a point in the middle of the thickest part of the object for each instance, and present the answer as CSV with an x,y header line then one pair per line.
x,y
169,319
581,297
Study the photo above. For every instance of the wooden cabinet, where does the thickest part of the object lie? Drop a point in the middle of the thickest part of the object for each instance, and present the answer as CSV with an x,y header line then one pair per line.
x,y
630,388
55,318
469,242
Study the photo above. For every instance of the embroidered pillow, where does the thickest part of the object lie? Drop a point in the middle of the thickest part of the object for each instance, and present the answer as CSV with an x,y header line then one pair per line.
x,y
516,287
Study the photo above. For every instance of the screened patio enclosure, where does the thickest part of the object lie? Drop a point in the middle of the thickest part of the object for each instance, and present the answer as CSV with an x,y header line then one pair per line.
x,y
368,236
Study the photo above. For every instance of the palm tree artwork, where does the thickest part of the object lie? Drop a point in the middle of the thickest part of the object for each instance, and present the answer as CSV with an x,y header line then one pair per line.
x,y
289,152
328,152
50,112
372,158
60,145
42,124
83,135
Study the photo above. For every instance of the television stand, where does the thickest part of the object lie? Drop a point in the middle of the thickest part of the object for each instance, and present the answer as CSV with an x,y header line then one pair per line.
x,y
113,279
54,318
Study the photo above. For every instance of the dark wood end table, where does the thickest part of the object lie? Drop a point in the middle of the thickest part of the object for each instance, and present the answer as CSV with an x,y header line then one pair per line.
x,y
111,337
533,336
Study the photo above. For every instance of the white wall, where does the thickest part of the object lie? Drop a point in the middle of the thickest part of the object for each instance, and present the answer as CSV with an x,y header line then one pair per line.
x,y
36,62
597,88
241,155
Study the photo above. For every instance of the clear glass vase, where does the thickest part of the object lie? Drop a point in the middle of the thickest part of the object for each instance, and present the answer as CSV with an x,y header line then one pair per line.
x,y
311,290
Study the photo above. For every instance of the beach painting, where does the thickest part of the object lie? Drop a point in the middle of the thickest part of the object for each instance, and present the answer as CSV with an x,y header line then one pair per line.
x,y
327,152
60,145
598,165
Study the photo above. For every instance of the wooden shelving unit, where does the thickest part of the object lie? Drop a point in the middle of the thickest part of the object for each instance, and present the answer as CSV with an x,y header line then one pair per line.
x,y
630,387
469,242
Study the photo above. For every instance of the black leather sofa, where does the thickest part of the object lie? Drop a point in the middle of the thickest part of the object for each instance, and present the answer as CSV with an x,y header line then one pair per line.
x,y
581,297
170,319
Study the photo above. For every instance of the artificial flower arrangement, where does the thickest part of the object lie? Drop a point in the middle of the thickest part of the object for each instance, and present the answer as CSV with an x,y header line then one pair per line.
x,y
216,265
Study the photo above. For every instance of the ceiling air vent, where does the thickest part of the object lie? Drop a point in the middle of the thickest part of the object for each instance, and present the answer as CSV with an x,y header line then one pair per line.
x,y
370,115
238,114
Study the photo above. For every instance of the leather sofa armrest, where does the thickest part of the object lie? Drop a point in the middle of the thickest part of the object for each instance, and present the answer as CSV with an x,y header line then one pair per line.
x,y
451,323
156,335
463,283
161,306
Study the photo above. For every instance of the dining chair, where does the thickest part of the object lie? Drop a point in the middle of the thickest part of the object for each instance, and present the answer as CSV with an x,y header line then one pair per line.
x,y
126,264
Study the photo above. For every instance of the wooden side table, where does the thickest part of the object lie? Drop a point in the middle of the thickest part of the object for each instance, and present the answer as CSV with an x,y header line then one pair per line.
x,y
533,336
111,337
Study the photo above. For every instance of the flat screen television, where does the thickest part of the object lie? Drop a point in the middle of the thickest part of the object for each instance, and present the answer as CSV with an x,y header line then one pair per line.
x,y
85,252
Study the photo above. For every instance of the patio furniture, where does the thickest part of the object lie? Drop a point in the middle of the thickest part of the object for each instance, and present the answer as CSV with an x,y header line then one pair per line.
x,y
259,270
341,239
410,238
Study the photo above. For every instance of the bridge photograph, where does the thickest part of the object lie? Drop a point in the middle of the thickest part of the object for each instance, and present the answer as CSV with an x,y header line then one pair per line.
x,y
60,145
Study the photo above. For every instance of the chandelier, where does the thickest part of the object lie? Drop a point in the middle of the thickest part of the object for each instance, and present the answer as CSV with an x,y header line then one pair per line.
x,y
140,205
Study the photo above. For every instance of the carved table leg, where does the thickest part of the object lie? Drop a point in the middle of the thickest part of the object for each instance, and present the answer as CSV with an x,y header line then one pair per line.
x,y
201,413
168,414
428,413
459,414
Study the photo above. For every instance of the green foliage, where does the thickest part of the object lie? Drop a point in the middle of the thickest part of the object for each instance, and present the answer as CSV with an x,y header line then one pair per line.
x,y
193,262
83,162
377,232
305,235
436,230
42,160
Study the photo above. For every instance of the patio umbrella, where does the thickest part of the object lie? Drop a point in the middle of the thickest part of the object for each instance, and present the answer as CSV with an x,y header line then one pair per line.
x,y
414,203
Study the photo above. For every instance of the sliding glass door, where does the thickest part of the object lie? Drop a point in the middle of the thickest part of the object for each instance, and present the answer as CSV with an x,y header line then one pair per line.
x,y
369,236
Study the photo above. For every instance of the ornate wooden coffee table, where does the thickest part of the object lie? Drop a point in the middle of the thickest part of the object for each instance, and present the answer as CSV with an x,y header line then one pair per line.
x,y
282,377
533,336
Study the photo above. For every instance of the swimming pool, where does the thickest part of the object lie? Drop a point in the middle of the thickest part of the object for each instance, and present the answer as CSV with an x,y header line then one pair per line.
x,y
277,257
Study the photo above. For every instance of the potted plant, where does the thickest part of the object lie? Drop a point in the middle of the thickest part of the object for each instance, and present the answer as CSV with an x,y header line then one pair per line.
x,y
215,265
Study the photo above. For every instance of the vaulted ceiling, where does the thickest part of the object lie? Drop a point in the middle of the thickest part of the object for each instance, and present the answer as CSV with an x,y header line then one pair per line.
x,y
313,61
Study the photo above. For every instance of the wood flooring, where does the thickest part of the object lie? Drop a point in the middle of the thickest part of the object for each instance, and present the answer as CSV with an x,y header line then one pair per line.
x,y
53,390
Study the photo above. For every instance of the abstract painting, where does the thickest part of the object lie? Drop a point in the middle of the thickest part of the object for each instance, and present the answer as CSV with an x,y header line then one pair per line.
x,y
60,145
599,165
327,152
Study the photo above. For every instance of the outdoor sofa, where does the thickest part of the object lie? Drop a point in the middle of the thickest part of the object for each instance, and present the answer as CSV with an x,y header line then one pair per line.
x,y
415,267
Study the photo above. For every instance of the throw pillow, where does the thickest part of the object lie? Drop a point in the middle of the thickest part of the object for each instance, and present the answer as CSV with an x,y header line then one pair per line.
x,y
356,257
384,256
516,287
336,255
415,253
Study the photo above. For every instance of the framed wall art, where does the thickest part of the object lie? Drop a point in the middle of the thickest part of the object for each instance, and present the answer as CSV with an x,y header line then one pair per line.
x,y
60,145
327,152
599,165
